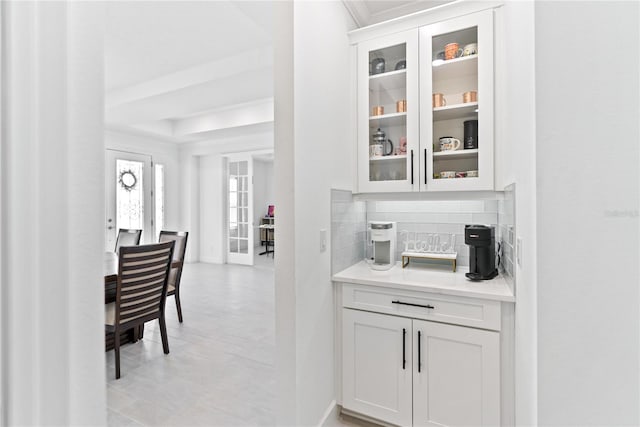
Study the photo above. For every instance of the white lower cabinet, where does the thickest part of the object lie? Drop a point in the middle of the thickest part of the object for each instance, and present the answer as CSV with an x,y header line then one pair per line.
x,y
456,376
412,372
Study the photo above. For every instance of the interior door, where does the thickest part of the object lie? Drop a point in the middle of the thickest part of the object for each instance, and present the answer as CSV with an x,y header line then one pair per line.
x,y
128,204
240,210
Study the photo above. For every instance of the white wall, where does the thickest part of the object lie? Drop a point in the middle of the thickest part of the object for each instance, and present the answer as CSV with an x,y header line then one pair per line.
x,y
316,103
165,153
212,209
517,121
52,219
587,108
263,193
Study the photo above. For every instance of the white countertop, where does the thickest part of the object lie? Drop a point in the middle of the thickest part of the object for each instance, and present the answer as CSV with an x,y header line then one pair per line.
x,y
427,279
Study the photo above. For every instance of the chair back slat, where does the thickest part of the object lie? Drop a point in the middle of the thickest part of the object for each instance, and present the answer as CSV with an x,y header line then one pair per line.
x,y
180,237
127,237
142,281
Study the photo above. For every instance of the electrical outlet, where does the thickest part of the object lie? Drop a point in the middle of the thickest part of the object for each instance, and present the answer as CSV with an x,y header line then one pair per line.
x,y
323,240
519,251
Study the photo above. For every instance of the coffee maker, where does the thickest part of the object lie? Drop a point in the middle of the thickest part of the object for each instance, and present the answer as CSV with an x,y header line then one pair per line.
x,y
482,252
383,239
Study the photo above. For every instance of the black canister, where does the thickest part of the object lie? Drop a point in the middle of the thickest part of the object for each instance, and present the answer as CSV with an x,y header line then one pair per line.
x,y
470,134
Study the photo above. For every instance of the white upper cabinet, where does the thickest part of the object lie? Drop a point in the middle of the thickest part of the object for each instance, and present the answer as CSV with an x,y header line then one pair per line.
x,y
388,113
425,108
456,104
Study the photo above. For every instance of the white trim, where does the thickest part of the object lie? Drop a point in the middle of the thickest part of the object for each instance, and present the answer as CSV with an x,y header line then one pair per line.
x,y
424,17
331,415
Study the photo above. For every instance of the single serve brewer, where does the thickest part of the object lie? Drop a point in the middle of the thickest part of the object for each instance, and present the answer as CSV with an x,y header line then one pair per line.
x,y
482,252
382,237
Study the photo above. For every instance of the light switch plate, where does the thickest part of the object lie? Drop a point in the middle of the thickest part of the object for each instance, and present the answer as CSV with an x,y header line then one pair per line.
x,y
519,251
323,240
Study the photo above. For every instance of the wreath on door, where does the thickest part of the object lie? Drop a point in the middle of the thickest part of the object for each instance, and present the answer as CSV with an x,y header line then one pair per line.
x,y
128,180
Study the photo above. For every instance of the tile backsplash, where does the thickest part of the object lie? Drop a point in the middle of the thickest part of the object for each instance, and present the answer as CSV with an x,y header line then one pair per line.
x,y
348,223
506,234
429,216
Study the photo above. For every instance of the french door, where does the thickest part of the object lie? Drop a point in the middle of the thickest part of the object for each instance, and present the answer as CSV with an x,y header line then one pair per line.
x,y
240,210
128,185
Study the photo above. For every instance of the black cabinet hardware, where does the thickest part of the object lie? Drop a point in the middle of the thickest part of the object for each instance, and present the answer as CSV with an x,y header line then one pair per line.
x,y
404,348
425,165
419,357
411,167
413,305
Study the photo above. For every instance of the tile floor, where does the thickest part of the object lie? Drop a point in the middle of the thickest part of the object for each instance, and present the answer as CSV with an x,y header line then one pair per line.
x,y
220,371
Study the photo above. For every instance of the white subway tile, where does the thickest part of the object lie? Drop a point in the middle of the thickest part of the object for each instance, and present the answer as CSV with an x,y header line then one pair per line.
x,y
485,218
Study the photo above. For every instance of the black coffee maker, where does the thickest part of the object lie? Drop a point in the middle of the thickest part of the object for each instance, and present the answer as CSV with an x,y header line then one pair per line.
x,y
482,252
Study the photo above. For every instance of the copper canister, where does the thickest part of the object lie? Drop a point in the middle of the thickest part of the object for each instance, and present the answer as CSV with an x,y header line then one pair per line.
x,y
471,96
401,106
378,110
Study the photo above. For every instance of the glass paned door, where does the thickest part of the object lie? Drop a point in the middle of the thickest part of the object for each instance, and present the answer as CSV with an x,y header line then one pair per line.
x,y
388,113
457,103
240,223
128,195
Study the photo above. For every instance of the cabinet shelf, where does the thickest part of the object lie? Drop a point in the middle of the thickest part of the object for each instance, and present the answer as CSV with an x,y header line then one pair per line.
x,y
455,68
391,119
389,80
388,158
456,111
457,154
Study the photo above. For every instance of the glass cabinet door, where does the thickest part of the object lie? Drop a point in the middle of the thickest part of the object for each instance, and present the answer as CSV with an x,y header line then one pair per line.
x,y
457,104
387,113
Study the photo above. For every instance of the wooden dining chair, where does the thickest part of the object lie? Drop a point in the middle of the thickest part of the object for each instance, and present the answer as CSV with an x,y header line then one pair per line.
x,y
127,237
141,291
180,237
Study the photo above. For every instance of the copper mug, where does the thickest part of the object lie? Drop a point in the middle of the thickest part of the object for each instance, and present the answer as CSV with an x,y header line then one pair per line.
x,y
471,96
401,106
438,100
378,111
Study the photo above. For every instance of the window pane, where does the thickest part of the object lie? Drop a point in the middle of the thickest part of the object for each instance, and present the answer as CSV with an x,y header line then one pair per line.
x,y
243,168
233,245
129,194
244,246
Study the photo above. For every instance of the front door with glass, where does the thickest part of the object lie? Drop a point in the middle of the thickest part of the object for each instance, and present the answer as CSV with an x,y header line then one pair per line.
x,y
128,195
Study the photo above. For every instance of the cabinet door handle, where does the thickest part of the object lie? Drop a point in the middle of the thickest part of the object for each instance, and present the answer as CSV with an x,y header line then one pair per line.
x,y
411,167
425,165
419,357
404,348
413,305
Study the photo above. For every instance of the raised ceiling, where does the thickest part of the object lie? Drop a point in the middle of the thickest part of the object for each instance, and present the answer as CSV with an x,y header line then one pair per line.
x,y
181,71
187,71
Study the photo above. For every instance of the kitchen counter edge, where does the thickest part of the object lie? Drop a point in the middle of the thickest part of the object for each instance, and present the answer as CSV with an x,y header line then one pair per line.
x,y
424,280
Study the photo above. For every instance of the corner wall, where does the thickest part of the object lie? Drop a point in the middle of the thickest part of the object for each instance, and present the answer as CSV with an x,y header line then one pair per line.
x,y
519,140
313,78
588,186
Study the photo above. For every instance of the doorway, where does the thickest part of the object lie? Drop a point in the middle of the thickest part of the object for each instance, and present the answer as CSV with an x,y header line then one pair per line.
x,y
128,204
240,210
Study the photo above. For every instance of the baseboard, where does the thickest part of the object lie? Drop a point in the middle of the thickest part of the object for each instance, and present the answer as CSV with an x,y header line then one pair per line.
x,y
330,415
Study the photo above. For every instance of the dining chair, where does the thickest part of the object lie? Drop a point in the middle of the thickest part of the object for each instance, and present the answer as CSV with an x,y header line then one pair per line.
x,y
141,291
127,237
180,237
